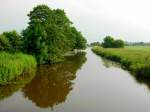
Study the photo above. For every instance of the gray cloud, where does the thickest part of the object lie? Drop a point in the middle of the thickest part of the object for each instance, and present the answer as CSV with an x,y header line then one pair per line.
x,y
95,18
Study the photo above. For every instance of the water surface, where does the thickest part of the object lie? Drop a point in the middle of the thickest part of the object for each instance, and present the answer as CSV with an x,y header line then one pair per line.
x,y
82,83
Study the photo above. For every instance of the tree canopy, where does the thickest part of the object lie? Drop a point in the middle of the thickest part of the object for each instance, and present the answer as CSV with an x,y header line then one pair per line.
x,y
50,34
110,42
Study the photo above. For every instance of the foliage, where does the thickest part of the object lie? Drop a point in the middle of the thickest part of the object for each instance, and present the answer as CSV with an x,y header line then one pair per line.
x,y
50,34
135,60
95,44
109,42
137,44
13,65
14,40
118,43
4,43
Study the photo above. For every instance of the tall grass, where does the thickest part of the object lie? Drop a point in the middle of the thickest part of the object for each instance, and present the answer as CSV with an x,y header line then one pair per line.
x,y
14,64
135,60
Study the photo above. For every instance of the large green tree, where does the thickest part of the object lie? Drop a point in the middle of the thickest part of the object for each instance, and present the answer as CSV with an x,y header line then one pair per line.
x,y
50,34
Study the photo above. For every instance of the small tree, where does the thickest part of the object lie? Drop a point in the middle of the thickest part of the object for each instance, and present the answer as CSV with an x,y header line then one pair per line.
x,y
119,44
108,42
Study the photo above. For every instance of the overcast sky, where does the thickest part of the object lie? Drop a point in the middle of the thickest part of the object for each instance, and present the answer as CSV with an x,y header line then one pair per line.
x,y
125,19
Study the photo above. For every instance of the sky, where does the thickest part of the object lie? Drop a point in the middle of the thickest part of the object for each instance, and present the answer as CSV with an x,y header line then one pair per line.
x,y
123,19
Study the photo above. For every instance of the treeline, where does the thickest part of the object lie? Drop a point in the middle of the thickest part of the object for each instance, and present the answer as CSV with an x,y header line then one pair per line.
x,y
49,35
94,44
109,42
137,44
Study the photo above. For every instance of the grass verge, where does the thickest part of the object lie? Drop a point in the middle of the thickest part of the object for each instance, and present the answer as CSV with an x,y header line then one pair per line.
x,y
137,61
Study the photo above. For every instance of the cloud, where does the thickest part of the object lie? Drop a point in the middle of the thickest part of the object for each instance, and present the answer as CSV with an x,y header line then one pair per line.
x,y
127,19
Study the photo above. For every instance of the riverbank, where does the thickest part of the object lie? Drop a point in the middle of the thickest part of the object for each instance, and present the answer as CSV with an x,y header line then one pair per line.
x,y
13,65
134,60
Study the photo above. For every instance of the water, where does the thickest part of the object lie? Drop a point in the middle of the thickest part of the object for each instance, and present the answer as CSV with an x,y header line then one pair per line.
x,y
83,83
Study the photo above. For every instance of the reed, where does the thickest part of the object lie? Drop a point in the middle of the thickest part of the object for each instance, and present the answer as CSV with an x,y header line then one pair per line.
x,y
13,65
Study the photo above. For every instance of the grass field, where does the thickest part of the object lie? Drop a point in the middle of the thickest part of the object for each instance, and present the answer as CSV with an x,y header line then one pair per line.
x,y
13,65
134,58
143,48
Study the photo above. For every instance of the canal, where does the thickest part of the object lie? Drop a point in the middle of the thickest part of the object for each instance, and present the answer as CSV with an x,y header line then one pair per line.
x,y
84,82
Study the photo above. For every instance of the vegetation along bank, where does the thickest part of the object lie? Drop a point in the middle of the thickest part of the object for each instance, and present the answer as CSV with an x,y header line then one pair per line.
x,y
135,60
13,65
48,36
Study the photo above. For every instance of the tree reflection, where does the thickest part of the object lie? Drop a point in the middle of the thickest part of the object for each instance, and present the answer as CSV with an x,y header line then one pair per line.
x,y
108,63
54,82
145,81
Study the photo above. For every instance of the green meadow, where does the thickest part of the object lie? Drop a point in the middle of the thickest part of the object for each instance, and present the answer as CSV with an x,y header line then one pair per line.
x,y
143,48
134,58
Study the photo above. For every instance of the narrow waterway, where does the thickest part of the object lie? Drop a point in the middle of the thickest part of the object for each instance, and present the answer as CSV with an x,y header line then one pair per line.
x,y
83,83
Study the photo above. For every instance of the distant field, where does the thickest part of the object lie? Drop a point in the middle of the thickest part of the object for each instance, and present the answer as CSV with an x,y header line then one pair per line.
x,y
143,48
136,59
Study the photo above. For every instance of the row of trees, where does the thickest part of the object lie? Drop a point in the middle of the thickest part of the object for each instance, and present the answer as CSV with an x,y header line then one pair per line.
x,y
110,42
48,36
95,44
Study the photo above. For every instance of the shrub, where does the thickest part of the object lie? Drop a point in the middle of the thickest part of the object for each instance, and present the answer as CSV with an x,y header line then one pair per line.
x,y
4,43
15,40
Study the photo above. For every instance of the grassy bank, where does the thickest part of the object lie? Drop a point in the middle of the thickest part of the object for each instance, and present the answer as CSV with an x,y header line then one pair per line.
x,y
13,65
135,59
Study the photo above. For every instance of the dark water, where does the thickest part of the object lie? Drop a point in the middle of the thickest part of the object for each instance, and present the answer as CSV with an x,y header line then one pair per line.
x,y
83,83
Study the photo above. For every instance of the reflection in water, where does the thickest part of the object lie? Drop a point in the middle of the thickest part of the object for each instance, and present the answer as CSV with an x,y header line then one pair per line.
x,y
53,83
144,81
138,79
19,82
109,63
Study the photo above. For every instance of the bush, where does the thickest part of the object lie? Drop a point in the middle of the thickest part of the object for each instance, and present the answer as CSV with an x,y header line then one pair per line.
x,y
118,43
15,40
4,43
